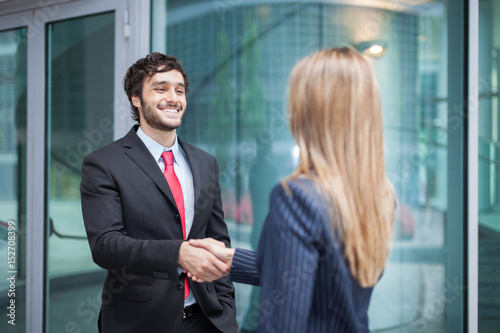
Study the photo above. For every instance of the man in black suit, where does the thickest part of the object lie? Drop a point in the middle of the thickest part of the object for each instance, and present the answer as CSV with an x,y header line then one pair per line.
x,y
137,225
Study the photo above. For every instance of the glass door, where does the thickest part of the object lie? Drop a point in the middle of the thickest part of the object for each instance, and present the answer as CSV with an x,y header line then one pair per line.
x,y
13,134
61,66
80,116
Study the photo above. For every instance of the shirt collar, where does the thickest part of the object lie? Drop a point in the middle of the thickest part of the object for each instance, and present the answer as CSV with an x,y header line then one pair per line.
x,y
157,149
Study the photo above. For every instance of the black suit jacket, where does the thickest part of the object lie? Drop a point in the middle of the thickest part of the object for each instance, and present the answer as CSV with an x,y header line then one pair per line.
x,y
134,230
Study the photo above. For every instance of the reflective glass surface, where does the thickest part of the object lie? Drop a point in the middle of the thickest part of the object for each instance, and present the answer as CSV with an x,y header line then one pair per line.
x,y
489,167
13,112
80,63
238,55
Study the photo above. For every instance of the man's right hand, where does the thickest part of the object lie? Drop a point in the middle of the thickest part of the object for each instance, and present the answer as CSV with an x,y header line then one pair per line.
x,y
215,247
201,263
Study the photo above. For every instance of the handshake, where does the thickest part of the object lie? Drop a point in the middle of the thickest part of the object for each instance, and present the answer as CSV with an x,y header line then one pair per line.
x,y
205,260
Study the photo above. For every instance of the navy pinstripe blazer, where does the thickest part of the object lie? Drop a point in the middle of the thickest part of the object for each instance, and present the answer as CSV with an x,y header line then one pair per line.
x,y
305,282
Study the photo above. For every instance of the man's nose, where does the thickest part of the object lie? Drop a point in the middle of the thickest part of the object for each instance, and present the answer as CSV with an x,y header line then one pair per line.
x,y
171,97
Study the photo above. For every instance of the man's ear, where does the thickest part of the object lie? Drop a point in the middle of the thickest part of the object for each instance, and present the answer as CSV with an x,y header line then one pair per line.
x,y
136,101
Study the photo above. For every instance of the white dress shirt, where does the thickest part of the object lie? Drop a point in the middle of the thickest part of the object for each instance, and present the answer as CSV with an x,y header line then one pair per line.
x,y
183,173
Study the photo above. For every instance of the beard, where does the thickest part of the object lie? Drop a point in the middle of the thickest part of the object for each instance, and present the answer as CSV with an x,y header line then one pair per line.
x,y
156,121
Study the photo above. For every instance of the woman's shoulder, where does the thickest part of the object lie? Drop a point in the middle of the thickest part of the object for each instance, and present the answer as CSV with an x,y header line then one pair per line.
x,y
300,200
300,190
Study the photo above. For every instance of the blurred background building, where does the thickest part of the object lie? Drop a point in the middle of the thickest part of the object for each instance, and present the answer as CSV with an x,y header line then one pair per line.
x,y
61,68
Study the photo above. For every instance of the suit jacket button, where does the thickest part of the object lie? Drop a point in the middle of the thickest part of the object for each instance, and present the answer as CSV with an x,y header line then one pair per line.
x,y
180,285
177,218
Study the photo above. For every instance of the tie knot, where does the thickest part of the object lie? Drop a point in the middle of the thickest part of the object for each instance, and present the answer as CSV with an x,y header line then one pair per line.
x,y
168,157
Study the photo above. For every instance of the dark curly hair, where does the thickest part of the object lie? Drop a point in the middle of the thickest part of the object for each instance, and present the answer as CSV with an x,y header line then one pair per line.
x,y
147,67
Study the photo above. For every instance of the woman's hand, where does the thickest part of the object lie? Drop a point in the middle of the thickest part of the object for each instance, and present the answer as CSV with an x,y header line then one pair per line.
x,y
217,248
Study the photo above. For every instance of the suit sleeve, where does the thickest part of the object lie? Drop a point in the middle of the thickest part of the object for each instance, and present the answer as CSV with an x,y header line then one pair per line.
x,y
244,267
111,248
288,261
217,229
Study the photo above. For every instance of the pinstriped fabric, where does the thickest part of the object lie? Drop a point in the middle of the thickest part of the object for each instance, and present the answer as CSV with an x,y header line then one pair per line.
x,y
305,283
248,274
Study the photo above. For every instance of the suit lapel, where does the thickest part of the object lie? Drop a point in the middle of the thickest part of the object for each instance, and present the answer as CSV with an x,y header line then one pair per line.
x,y
194,164
139,153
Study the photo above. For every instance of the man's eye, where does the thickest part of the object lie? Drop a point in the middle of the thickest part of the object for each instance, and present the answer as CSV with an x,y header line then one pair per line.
x,y
160,89
180,91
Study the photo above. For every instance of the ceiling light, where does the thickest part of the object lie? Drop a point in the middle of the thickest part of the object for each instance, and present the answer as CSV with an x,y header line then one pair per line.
x,y
373,48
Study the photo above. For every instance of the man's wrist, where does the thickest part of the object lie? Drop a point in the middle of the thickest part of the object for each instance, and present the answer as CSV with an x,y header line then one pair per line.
x,y
182,252
229,259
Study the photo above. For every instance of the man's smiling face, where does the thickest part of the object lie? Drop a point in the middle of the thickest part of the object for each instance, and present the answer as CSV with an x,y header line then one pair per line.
x,y
163,101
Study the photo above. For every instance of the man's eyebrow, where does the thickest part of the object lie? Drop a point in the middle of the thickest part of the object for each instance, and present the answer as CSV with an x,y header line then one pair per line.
x,y
160,83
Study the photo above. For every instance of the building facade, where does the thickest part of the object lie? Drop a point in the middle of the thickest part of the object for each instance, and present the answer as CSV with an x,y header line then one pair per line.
x,y
61,68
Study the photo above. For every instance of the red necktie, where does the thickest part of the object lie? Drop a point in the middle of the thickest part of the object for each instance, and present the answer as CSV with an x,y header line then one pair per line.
x,y
175,187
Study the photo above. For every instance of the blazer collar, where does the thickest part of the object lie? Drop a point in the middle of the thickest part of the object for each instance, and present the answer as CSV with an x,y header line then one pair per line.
x,y
139,153
196,167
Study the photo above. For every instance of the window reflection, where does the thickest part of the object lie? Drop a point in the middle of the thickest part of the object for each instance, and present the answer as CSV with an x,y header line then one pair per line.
x,y
489,167
238,55
80,74
13,76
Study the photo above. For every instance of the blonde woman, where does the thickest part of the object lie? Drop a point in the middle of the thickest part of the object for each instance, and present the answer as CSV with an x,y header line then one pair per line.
x,y
328,233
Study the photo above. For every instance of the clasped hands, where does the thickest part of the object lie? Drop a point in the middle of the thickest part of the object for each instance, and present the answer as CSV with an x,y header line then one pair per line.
x,y
205,260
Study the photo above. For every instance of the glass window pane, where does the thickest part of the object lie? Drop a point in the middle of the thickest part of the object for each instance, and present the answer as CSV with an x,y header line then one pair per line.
x,y
489,167
13,76
80,61
238,55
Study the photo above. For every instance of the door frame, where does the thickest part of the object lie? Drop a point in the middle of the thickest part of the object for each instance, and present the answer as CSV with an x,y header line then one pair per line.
x,y
132,40
472,218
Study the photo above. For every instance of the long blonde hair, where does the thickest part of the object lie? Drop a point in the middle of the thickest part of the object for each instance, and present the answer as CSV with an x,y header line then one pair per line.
x,y
336,119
